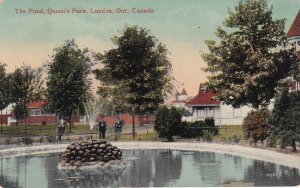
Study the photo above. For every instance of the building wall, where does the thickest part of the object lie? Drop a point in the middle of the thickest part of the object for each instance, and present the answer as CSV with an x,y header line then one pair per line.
x,y
223,114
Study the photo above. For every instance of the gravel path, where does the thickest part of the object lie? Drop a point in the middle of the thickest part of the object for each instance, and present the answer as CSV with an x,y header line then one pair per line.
x,y
253,153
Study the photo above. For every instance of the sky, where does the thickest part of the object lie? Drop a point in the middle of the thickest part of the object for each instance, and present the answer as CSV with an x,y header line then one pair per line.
x,y
182,25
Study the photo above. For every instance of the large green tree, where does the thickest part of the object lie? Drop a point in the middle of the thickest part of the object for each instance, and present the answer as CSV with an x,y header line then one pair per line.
x,y
4,90
285,118
68,83
250,57
139,68
26,86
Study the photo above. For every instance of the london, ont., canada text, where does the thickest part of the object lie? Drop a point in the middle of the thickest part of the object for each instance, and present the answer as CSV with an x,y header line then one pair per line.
x,y
51,11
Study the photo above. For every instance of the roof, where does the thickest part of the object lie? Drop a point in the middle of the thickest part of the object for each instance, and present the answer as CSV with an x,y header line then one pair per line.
x,y
38,104
295,27
203,98
183,92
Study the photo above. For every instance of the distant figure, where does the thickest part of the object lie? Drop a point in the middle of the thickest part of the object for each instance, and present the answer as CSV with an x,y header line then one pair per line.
x,y
118,128
102,127
61,126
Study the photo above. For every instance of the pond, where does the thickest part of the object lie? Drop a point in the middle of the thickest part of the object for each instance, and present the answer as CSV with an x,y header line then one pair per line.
x,y
147,168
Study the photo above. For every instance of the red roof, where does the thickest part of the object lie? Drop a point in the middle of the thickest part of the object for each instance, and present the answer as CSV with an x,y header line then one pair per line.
x,y
38,104
183,92
295,28
203,98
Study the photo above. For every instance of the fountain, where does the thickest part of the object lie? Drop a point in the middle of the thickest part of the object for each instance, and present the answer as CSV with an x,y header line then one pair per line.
x,y
90,154
91,113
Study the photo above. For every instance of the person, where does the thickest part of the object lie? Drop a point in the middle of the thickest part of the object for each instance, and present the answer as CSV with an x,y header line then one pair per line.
x,y
61,126
102,127
118,128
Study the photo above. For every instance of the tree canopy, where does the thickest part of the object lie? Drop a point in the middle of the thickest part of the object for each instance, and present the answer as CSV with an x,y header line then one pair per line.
x,y
138,68
285,118
26,86
68,82
251,57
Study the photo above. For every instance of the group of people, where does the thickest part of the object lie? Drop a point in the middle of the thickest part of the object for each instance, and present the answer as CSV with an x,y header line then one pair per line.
x,y
102,128
61,126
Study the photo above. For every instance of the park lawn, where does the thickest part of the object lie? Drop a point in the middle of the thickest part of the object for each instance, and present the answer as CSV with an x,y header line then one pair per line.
x,y
229,130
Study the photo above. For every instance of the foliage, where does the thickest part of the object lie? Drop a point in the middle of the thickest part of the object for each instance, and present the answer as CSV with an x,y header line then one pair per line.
x,y
167,122
235,138
50,139
137,73
68,83
26,86
208,136
27,140
4,87
5,97
251,58
196,129
285,118
256,126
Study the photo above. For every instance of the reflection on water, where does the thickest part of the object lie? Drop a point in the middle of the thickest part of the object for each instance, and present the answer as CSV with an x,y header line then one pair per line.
x,y
147,168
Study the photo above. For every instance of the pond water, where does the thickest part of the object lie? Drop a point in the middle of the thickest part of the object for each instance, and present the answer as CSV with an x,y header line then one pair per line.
x,y
147,168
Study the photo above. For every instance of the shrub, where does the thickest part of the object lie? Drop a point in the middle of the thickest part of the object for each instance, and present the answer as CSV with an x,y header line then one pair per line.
x,y
210,122
208,136
50,139
167,122
27,140
8,140
255,125
235,138
271,141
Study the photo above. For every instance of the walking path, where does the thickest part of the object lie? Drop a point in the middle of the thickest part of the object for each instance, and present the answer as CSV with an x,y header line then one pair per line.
x,y
249,152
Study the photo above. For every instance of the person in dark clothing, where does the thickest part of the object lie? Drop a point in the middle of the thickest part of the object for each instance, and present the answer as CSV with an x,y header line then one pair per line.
x,y
118,128
61,126
102,128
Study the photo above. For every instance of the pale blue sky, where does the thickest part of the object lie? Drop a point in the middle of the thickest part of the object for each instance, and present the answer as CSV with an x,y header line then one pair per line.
x,y
30,38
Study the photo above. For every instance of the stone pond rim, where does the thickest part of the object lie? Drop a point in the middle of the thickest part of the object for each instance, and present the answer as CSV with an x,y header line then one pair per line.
x,y
89,152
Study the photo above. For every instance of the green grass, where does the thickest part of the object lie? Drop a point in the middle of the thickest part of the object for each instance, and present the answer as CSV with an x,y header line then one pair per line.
x,y
229,130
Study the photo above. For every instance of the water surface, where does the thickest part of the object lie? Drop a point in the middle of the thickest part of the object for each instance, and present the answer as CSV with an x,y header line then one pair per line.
x,y
147,168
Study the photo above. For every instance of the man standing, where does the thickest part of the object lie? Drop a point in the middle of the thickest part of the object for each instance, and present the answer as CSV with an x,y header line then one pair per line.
x,y
118,128
102,127
61,125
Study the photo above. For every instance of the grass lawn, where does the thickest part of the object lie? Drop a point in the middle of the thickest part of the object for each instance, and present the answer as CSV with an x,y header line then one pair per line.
x,y
144,133
229,130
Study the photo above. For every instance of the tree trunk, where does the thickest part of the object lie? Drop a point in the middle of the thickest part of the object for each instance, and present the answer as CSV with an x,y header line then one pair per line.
x,y
294,145
133,127
1,122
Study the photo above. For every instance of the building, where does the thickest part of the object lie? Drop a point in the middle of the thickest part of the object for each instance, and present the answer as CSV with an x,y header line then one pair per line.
x,y
204,105
181,99
293,36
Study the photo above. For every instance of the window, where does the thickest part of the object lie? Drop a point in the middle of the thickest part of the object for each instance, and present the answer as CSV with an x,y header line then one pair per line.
x,y
201,113
210,112
35,112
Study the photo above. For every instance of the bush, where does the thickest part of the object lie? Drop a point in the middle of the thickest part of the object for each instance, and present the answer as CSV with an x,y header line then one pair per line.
x,y
167,122
271,141
208,136
50,139
235,138
8,140
255,125
27,140
195,129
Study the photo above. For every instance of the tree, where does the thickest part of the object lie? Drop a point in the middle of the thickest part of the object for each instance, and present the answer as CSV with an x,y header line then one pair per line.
x,y
167,122
68,83
256,125
26,86
139,68
285,118
4,90
251,58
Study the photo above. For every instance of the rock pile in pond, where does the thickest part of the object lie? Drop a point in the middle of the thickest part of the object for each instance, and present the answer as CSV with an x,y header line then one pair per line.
x,y
90,152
